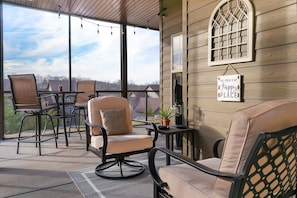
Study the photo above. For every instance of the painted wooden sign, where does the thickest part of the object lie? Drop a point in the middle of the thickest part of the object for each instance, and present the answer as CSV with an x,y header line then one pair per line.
x,y
229,88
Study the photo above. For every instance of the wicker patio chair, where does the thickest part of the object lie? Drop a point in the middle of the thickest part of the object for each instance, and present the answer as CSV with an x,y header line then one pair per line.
x,y
259,159
26,99
112,139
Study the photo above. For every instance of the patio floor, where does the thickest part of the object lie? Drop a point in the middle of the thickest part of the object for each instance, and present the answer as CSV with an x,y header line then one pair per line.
x,y
29,175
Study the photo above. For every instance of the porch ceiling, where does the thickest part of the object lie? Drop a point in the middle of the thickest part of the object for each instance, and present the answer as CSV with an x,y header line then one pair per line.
x,y
139,13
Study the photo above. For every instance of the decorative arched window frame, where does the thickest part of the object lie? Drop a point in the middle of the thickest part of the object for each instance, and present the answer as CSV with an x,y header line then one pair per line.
x,y
231,33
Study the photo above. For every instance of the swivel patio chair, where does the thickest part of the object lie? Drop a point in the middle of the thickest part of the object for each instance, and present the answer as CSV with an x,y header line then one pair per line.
x,y
26,99
88,88
259,159
112,138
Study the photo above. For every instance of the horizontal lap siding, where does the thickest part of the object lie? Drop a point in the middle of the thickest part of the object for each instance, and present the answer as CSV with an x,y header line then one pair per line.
x,y
271,76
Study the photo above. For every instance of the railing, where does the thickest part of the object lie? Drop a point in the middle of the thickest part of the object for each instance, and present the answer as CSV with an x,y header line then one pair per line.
x,y
111,92
12,120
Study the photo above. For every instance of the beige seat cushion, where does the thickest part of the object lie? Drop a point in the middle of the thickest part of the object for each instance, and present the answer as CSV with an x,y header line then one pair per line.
x,y
123,143
246,124
186,181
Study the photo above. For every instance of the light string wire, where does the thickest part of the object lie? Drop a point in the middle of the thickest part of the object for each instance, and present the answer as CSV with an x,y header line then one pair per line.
x,y
161,13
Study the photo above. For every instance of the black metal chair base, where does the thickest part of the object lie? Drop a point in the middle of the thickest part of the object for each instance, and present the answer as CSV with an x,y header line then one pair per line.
x,y
77,125
119,169
37,138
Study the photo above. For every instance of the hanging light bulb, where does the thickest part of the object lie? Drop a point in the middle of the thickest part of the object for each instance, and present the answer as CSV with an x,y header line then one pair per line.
x,y
59,11
97,28
134,31
81,25
111,30
148,25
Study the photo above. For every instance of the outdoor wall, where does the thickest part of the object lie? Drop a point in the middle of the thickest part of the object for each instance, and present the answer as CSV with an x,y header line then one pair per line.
x,y
171,24
272,74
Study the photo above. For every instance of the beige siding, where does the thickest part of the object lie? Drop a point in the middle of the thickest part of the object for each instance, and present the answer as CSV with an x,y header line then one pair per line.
x,y
171,24
272,75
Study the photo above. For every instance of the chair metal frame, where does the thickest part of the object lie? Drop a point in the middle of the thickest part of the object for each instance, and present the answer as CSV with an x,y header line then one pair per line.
x,y
119,160
32,106
284,146
110,161
88,87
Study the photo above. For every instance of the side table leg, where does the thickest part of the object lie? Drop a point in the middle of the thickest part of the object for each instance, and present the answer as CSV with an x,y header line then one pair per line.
x,y
168,147
64,118
193,145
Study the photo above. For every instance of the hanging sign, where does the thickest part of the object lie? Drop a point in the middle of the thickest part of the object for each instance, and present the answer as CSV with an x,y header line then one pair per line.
x,y
229,88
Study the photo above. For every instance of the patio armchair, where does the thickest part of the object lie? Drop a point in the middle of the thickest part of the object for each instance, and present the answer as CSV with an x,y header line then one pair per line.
x,y
26,99
112,137
88,89
259,159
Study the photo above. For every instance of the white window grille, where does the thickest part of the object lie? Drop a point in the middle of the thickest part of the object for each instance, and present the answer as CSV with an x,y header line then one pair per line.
x,y
231,30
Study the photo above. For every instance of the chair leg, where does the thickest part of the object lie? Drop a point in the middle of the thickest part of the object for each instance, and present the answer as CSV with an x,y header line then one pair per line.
x,y
76,125
79,122
87,138
55,135
20,131
72,116
58,123
156,190
39,132
36,131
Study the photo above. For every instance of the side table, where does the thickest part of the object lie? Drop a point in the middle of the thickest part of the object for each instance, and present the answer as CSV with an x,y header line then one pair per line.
x,y
169,137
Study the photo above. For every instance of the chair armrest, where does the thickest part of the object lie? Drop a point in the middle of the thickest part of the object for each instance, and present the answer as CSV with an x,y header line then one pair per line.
x,y
71,97
44,95
216,146
91,96
153,126
102,129
181,158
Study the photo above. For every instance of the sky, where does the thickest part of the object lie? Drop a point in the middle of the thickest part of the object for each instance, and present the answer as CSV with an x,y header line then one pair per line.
x,y
37,42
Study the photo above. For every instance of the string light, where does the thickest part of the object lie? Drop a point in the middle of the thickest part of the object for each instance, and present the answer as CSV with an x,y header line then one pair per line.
x,y
160,14
59,11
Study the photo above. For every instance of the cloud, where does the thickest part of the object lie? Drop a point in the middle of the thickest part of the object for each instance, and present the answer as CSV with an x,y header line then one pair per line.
x,y
37,42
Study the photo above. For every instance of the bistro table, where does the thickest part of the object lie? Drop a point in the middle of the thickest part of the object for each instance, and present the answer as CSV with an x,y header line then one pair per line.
x,y
61,110
169,136
62,103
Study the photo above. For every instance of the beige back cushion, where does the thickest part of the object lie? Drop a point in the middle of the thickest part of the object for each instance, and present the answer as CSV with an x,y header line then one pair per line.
x,y
114,121
245,126
88,88
98,105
